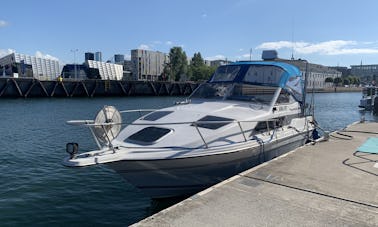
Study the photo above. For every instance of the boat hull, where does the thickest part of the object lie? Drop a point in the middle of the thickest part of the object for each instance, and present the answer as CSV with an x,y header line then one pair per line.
x,y
185,176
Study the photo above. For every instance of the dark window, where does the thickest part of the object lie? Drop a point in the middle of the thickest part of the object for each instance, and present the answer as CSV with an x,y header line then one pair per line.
x,y
206,122
156,115
148,135
263,126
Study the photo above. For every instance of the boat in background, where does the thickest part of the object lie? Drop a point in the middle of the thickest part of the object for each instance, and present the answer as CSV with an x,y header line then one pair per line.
x,y
246,114
369,94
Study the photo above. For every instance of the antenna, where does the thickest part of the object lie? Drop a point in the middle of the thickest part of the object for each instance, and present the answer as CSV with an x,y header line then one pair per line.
x,y
250,54
292,38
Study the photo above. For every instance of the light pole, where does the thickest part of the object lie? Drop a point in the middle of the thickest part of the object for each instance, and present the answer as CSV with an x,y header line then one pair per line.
x,y
74,51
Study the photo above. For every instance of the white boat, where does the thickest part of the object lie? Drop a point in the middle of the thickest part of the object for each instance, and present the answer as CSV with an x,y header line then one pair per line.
x,y
369,94
246,114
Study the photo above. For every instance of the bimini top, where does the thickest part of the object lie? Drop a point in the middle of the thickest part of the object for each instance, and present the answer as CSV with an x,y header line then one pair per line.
x,y
264,73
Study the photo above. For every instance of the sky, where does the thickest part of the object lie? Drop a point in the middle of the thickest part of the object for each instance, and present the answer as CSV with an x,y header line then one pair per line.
x,y
327,32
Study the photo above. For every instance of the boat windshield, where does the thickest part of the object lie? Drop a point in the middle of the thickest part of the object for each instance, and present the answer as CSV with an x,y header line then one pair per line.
x,y
236,91
252,93
225,73
211,91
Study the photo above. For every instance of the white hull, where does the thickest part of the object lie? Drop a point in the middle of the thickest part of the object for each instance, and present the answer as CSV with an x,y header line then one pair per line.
x,y
185,176
246,114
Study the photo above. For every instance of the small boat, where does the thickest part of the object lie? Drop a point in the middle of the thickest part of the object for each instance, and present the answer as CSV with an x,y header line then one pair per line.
x,y
246,114
369,94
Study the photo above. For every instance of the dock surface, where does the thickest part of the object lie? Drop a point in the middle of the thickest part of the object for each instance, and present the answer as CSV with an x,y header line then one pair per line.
x,y
326,184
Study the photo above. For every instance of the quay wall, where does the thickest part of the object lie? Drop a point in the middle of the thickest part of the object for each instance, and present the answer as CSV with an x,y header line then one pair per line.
x,y
29,87
26,87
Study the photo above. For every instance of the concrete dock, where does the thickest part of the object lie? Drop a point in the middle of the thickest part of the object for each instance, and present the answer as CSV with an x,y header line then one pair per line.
x,y
326,184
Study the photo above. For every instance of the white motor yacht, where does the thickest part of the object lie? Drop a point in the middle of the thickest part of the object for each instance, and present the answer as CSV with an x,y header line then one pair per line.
x,y
369,94
246,114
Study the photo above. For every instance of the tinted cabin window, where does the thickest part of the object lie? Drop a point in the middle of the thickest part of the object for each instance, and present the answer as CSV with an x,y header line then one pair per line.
x,y
148,135
263,126
259,74
156,115
207,122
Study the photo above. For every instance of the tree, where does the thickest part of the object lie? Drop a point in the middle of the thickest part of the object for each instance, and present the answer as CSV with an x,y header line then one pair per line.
x,y
337,81
346,81
357,80
178,65
329,80
197,60
198,71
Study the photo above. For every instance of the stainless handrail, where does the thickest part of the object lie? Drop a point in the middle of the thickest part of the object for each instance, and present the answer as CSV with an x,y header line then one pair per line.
x,y
91,124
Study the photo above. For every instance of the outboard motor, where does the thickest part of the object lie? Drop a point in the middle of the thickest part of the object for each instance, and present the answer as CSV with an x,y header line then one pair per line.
x,y
72,149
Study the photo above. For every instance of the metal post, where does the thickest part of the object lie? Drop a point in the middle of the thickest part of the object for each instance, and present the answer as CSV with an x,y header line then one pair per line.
x,y
74,51
195,124
304,91
241,129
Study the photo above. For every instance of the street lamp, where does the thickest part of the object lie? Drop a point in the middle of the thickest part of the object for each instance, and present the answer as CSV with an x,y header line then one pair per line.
x,y
74,51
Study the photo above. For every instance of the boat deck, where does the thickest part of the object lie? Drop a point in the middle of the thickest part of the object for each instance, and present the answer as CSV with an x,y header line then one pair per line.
x,y
328,183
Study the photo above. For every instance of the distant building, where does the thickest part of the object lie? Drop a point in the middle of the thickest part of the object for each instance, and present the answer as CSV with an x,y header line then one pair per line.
x,y
367,73
119,59
345,71
93,70
107,71
216,63
89,56
147,65
127,70
316,73
98,56
21,65
75,71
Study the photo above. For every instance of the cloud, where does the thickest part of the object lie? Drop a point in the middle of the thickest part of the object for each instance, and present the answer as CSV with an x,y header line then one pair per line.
x,y
39,54
204,15
3,23
244,57
169,43
6,52
275,45
144,47
332,47
216,57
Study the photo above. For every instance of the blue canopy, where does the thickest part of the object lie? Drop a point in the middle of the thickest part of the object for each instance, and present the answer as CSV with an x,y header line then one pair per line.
x,y
290,71
280,74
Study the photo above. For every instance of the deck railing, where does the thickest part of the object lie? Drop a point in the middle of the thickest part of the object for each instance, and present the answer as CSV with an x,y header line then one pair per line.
x,y
91,124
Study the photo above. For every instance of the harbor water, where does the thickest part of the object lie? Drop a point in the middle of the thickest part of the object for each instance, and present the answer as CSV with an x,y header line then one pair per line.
x,y
37,190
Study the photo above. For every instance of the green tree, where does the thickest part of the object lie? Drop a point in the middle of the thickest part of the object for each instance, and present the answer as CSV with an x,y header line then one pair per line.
x,y
357,80
178,65
198,71
197,60
329,80
337,81
346,81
